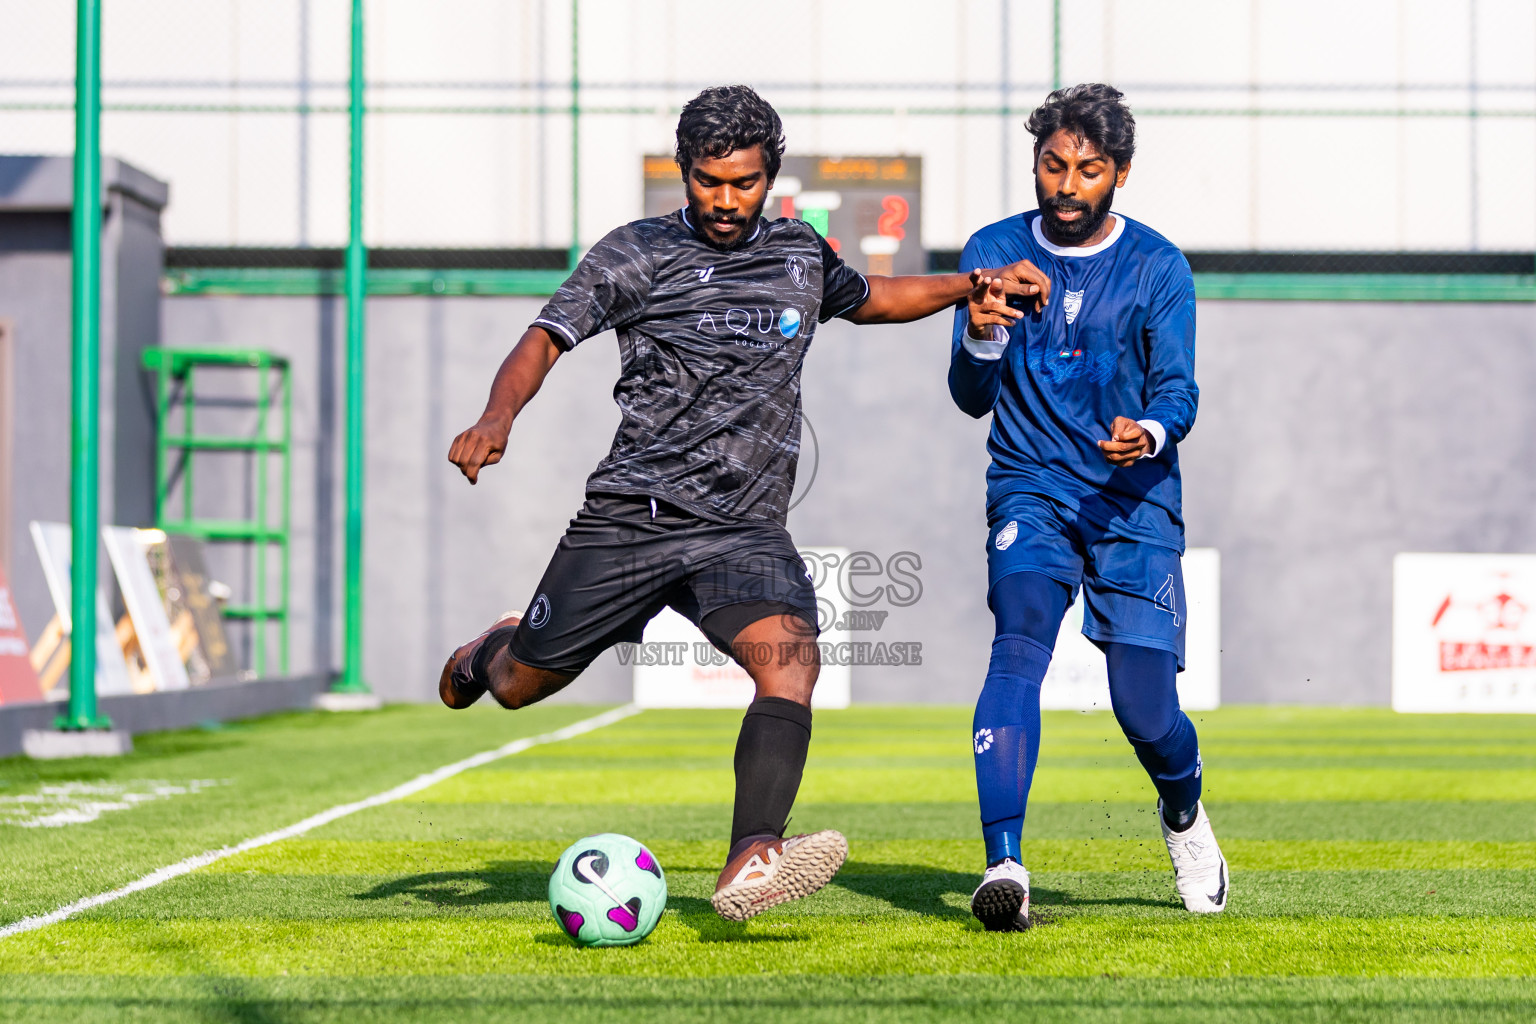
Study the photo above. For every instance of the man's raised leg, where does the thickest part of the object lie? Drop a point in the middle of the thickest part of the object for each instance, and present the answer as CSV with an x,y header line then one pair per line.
x,y
486,663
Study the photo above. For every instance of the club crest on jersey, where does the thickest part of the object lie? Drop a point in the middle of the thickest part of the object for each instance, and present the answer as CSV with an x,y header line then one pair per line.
x,y
538,615
795,266
1007,535
1072,303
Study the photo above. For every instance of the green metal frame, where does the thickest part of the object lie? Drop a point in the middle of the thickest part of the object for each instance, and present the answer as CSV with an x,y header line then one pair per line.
x,y
1369,287
299,281
1298,287
174,369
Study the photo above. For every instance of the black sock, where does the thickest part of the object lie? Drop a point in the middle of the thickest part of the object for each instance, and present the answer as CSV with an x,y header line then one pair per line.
x,y
770,758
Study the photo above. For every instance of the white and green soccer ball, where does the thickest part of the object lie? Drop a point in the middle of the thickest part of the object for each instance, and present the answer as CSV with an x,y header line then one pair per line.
x,y
607,890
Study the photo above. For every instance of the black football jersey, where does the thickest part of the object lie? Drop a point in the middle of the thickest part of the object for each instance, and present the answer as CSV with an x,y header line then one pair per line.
x,y
711,345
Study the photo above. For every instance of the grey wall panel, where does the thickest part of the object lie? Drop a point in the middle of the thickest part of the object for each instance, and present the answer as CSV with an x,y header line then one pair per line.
x,y
35,295
309,332
1330,436
35,292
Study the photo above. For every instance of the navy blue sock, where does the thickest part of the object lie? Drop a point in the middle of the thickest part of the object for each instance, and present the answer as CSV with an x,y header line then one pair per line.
x,y
1006,740
1143,693
1026,608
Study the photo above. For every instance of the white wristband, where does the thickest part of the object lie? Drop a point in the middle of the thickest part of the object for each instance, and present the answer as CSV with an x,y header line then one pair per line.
x,y
1159,436
986,349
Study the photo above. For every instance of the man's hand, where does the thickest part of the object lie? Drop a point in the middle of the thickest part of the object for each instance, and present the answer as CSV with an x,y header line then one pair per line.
x,y
480,446
516,382
1128,442
988,305
900,300
1021,278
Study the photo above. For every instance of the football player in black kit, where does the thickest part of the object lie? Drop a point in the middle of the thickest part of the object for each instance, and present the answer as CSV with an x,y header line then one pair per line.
x,y
714,307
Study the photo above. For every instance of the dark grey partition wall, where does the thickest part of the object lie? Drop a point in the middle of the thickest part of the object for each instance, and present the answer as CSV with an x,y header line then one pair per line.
x,y
35,203
1330,436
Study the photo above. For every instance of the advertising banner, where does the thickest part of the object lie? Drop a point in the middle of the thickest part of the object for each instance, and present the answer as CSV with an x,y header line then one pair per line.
x,y
1464,633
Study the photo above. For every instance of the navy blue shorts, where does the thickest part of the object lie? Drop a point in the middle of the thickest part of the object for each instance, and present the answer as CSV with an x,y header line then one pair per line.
x,y
1133,590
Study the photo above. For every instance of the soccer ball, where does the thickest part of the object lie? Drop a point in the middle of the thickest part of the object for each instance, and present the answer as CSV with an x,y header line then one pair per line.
x,y
607,890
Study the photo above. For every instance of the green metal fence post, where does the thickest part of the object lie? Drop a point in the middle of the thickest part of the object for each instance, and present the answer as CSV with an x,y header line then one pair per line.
x,y
1055,45
357,270
263,457
86,311
287,502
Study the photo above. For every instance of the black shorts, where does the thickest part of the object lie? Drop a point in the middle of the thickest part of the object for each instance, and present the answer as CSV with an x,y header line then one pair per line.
x,y
619,564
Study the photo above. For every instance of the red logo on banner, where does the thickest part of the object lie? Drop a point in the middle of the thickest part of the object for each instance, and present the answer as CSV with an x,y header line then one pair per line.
x,y
1476,657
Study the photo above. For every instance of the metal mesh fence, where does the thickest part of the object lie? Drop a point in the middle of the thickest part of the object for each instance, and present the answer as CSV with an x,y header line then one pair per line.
x,y
1284,128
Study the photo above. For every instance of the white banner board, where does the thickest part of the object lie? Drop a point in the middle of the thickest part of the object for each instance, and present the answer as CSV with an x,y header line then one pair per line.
x,y
1464,633
1078,681
53,549
141,596
676,667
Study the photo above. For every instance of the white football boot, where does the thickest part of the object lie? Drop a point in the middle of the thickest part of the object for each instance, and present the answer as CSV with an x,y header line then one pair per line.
x,y
1199,869
1001,901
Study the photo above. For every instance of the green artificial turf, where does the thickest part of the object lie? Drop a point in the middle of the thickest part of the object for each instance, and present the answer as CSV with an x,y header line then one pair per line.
x,y
1383,869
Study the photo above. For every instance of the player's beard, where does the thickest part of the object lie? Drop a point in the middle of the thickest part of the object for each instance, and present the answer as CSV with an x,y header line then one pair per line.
x,y
1072,232
749,225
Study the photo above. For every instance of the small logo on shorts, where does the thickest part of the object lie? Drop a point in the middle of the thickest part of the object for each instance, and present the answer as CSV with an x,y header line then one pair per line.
x,y
1007,534
982,740
539,614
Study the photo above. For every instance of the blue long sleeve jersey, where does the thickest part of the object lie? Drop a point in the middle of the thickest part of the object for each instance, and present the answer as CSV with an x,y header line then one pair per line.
x,y
1118,339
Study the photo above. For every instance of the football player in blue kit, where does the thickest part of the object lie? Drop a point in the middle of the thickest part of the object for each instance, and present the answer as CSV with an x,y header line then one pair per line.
x,y
1089,398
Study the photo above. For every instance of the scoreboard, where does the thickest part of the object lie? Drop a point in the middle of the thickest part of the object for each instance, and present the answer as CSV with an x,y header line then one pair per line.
x,y
868,208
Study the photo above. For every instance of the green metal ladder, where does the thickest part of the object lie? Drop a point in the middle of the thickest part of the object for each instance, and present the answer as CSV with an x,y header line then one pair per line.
x,y
173,451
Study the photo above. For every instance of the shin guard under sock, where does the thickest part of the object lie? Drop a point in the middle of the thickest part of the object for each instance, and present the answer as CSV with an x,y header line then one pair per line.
x,y
770,759
1143,689
1006,740
1173,762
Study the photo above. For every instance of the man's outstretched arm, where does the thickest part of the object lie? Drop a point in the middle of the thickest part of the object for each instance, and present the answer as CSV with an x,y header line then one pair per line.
x,y
898,300
518,380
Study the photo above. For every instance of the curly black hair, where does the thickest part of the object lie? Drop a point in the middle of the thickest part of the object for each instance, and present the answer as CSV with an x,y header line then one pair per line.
x,y
724,119
1091,111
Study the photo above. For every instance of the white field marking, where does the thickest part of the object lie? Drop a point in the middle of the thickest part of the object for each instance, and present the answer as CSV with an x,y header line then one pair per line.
x,y
75,803
416,785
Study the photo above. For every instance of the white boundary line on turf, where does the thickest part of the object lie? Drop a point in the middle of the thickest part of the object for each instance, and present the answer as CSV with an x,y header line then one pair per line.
x,y
416,785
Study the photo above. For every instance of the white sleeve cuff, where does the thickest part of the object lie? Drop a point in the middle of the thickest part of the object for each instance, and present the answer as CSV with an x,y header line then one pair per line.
x,y
988,349
1159,436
